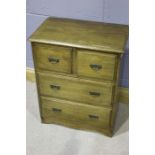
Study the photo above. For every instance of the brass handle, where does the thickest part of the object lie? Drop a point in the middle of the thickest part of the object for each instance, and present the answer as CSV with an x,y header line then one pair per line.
x,y
55,87
56,110
94,93
95,66
93,117
53,60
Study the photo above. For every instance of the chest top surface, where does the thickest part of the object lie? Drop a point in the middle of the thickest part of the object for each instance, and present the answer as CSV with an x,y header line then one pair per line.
x,y
82,34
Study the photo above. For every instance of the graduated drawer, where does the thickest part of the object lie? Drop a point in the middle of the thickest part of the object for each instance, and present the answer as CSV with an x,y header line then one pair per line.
x,y
52,58
66,112
96,65
75,89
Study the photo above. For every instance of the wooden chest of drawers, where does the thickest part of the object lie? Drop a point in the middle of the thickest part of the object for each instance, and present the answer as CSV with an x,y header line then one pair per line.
x,y
77,71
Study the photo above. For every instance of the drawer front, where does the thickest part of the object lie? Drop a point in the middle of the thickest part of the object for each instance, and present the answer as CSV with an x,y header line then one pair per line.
x,y
96,65
95,93
61,111
53,58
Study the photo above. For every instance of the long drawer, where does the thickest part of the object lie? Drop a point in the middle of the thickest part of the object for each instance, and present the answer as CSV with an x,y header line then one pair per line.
x,y
75,89
67,112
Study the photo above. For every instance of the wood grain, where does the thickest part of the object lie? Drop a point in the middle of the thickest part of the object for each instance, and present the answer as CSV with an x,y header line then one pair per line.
x,y
123,92
61,111
54,58
87,58
77,72
82,34
75,89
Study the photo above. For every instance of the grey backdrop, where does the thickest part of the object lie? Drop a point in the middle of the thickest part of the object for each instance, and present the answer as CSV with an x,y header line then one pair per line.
x,y
112,11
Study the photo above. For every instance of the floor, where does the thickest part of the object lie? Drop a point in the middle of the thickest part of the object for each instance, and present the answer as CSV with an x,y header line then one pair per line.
x,y
44,139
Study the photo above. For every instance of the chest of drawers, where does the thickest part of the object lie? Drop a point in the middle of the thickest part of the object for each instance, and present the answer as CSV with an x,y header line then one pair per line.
x,y
77,72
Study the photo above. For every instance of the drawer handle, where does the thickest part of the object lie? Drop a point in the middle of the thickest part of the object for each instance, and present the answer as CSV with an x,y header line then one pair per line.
x,y
55,87
93,117
53,60
94,93
56,110
95,66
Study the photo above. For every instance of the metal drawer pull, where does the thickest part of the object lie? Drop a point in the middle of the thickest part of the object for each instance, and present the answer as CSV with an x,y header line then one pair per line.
x,y
95,66
55,87
56,110
94,93
93,117
53,60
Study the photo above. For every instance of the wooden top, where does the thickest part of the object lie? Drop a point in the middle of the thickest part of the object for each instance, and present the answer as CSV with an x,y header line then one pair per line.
x,y
82,34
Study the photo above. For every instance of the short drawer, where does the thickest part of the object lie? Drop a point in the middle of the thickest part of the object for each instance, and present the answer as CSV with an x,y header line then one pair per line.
x,y
75,89
96,65
61,111
52,58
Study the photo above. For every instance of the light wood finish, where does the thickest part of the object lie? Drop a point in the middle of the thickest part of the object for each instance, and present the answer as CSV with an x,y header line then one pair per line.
x,y
53,58
124,95
115,95
30,74
122,91
75,89
96,65
77,72
82,34
54,110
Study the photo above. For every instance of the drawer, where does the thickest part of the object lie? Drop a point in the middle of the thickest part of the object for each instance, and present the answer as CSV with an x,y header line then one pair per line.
x,y
52,58
96,65
75,89
61,111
